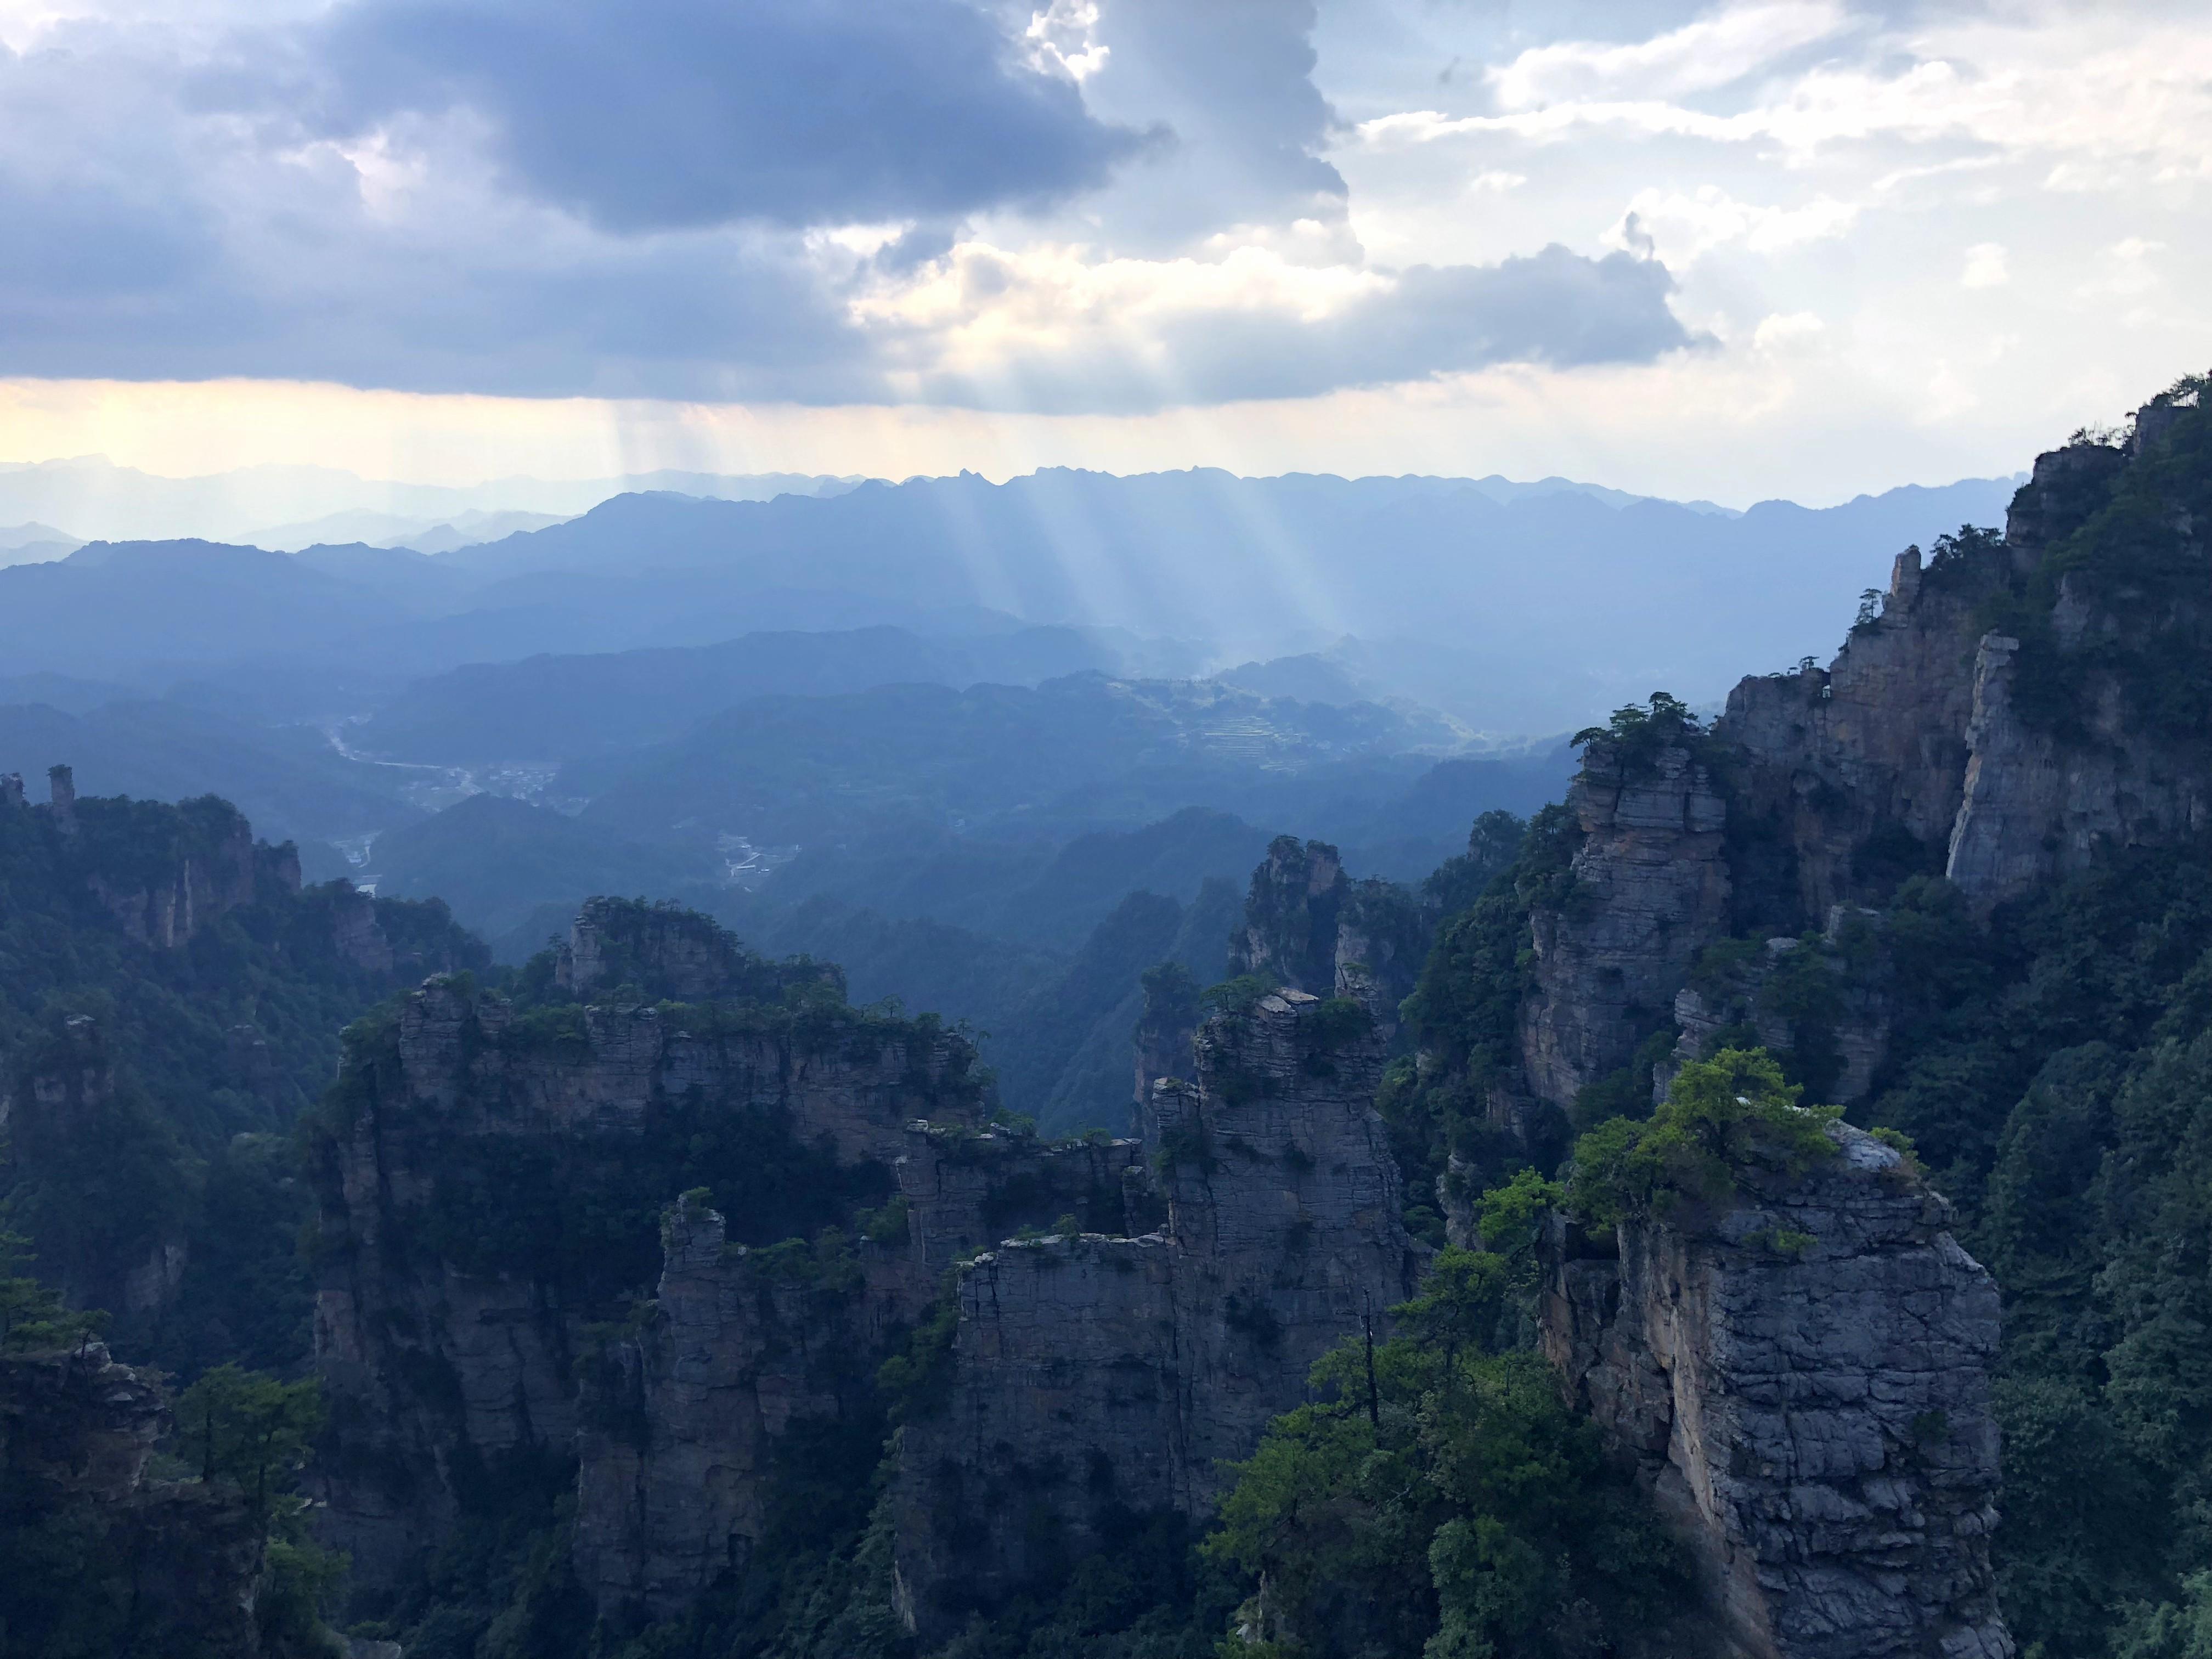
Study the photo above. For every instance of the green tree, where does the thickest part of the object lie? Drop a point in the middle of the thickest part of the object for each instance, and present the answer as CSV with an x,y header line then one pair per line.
x,y
1637,733
1721,1115
32,1315
249,1429
1439,1500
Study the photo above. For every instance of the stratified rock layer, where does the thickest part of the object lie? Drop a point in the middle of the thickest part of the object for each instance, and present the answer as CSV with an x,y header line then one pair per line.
x,y
1803,1380
682,1425
1310,928
1651,888
436,1367
1095,1378
1914,753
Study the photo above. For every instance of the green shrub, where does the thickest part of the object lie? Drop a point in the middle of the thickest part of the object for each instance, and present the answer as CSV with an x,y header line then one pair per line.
x,y
1723,1116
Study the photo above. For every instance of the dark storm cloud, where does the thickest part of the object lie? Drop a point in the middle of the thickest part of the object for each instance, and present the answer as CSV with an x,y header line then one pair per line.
x,y
578,200
146,242
689,112
1233,81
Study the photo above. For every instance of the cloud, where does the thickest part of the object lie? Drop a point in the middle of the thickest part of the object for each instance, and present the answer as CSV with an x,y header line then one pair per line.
x,y
1679,229
1712,52
425,196
682,113
1788,333
1052,332
1985,266
2064,84
1232,80
2128,272
149,241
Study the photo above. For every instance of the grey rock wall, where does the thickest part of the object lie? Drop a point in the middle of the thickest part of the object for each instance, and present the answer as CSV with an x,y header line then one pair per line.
x,y
2037,805
1854,1027
1098,1378
1651,888
433,1368
1857,771
1801,1378
681,1424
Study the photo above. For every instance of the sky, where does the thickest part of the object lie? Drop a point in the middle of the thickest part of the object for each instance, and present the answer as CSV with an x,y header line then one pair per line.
x,y
1788,248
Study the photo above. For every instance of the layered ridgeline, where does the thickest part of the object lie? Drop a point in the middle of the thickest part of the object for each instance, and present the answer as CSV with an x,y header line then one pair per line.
x,y
906,1364
1478,1277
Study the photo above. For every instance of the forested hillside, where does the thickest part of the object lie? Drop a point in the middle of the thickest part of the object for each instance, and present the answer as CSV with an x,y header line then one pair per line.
x,y
1492,1261
2033,1017
170,1000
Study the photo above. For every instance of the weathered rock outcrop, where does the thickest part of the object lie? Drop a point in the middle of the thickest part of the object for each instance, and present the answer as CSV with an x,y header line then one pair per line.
x,y
1913,753
2040,802
1919,750
77,1432
1310,926
1289,932
682,1422
1802,1377
450,1339
1094,1378
1806,999
1650,888
163,874
1166,1025
54,1100
670,952
1853,774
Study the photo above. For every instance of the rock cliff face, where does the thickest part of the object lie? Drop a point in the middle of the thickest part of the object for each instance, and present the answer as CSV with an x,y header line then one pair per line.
x,y
1650,888
58,1093
1310,928
1824,1002
1853,774
1933,745
1094,1378
681,1423
683,1420
1802,1379
1917,752
449,1325
2040,802
77,1431
163,876
1291,916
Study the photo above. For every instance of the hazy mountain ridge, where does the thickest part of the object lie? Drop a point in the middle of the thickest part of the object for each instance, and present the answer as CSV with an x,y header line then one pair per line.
x,y
1444,595
96,499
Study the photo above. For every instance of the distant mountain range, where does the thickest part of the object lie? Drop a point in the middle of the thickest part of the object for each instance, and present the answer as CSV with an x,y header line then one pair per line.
x,y
996,747
290,507
904,682
1525,615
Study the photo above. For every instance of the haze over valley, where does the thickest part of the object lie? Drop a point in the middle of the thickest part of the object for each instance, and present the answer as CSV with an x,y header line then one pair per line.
x,y
1105,830
852,710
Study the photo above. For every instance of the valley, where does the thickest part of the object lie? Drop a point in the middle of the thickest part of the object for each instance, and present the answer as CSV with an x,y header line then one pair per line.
x,y
904,1162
